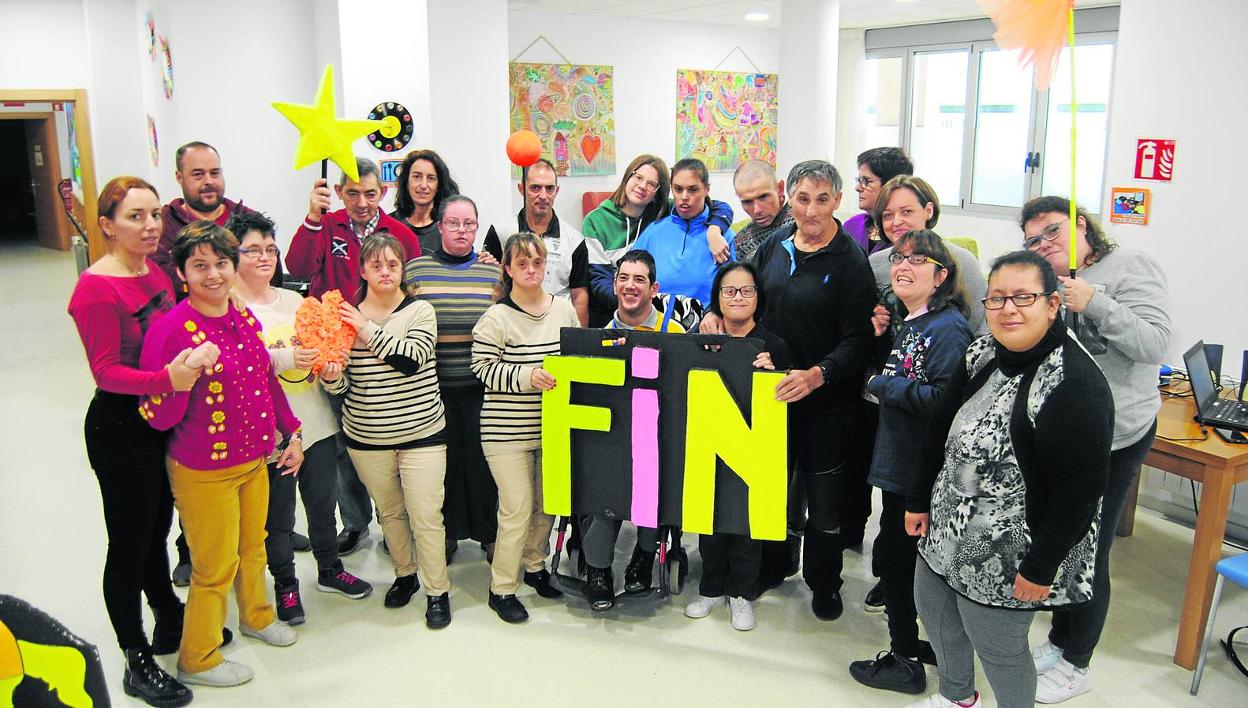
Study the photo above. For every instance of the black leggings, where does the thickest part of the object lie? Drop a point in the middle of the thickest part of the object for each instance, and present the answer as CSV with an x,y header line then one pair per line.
x,y
128,457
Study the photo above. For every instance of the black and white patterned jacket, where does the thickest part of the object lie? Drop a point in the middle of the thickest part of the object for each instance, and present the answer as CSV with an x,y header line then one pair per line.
x,y
1024,466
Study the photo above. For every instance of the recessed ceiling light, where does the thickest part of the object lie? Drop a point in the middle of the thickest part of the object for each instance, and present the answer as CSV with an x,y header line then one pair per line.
x,y
757,17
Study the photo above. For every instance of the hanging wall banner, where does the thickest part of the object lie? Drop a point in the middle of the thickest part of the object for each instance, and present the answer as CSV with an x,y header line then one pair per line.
x,y
724,118
571,107
663,431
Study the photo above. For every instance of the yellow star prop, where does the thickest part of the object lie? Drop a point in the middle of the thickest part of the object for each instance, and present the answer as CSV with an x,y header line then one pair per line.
x,y
322,135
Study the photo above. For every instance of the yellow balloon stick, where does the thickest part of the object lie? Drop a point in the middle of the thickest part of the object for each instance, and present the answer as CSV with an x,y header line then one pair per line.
x,y
1074,112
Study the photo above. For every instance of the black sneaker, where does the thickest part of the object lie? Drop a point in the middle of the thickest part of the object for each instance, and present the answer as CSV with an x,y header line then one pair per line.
x,y
335,579
890,671
874,601
167,634
300,543
144,679
289,604
508,608
438,613
639,571
349,541
540,581
599,588
827,605
401,592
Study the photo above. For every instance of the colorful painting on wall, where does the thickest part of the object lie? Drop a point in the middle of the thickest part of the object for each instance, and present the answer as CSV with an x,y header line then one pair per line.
x,y
725,118
571,107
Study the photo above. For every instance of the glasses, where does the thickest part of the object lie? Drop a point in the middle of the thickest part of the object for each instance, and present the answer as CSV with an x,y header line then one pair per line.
x,y
1049,233
865,182
456,224
996,302
747,291
255,253
649,184
913,259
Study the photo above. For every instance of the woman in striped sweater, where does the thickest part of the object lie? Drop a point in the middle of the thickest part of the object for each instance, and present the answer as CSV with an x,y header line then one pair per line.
x,y
393,420
508,346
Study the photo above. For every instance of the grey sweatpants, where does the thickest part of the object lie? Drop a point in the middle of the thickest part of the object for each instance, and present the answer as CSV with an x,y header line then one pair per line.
x,y
959,629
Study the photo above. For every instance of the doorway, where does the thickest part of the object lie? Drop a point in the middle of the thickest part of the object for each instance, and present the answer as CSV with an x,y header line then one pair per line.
x,y
52,135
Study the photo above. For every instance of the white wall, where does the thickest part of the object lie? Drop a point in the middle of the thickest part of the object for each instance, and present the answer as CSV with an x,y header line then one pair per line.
x,y
43,44
646,55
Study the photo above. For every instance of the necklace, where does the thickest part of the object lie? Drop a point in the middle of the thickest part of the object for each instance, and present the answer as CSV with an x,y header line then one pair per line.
x,y
134,272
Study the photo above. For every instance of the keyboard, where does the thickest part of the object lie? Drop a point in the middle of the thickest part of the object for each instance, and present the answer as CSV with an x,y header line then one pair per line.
x,y
1228,411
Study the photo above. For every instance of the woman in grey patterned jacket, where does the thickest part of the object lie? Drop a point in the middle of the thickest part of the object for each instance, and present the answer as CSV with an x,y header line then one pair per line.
x,y
1009,511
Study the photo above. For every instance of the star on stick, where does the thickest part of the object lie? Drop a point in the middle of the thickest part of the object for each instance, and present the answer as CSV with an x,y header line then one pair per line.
x,y
322,135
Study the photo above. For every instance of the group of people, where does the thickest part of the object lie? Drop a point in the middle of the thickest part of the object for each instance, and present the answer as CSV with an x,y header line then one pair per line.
x,y
1003,440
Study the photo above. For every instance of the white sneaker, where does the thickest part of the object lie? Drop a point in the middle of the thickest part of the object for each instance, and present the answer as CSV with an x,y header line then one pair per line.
x,y
742,613
938,701
277,634
1062,682
227,673
702,606
1046,656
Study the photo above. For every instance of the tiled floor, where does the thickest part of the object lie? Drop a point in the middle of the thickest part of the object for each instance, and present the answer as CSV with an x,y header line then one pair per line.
x,y
354,653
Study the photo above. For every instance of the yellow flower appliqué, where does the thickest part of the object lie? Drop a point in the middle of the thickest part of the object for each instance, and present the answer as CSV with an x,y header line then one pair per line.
x,y
218,416
191,326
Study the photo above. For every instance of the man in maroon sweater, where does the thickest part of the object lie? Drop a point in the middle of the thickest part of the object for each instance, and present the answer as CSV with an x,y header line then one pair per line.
x,y
202,180
326,248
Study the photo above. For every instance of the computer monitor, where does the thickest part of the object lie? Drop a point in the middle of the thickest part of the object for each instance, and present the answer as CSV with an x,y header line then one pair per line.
x,y
1243,380
1198,372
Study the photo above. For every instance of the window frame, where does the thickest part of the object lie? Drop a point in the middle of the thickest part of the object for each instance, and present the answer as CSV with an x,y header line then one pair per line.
x,y
1038,118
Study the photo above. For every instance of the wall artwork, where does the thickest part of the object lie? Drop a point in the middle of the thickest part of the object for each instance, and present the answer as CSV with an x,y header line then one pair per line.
x,y
571,107
1130,205
664,432
725,118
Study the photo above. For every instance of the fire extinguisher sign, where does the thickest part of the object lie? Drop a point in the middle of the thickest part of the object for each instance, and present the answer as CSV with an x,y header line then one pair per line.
x,y
1154,159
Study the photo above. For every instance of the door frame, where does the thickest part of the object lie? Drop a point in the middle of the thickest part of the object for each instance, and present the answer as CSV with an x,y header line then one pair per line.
x,y
86,156
59,229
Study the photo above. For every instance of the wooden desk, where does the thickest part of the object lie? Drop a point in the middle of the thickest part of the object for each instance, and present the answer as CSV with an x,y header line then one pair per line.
x,y
1218,466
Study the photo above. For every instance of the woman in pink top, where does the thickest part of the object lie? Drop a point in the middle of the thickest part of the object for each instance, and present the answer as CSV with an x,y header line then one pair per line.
x,y
223,430
112,305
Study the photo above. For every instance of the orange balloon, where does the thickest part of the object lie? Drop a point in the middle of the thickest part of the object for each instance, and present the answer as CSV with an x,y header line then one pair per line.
x,y
524,148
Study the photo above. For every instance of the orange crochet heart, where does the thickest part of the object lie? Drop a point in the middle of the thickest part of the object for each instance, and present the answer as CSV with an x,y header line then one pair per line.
x,y
319,326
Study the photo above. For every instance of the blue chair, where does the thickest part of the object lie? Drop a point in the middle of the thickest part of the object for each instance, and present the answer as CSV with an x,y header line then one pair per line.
x,y
1235,568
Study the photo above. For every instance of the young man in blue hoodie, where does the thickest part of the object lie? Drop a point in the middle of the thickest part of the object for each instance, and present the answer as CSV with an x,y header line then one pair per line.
x,y
678,243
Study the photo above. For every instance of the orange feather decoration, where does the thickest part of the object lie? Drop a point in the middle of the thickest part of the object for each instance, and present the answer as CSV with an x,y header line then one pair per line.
x,y
1036,28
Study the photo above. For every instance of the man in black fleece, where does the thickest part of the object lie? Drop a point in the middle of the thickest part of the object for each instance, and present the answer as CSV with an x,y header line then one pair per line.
x,y
820,293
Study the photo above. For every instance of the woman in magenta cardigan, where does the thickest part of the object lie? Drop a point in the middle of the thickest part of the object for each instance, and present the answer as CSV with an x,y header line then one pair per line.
x,y
114,302
223,430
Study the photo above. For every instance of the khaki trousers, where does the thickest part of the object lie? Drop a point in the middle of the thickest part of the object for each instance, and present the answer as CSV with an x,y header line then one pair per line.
x,y
407,488
223,514
523,528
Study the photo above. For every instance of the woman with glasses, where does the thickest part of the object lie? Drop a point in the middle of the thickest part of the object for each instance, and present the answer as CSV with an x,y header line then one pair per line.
x,y
1009,513
611,229
875,168
730,562
460,286
1120,298
424,182
926,352
275,308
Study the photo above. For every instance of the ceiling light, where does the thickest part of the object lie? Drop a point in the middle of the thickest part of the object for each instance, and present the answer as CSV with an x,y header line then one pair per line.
x,y
757,17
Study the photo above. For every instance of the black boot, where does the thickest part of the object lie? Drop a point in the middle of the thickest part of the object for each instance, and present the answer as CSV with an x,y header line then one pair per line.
x,y
145,679
600,588
640,569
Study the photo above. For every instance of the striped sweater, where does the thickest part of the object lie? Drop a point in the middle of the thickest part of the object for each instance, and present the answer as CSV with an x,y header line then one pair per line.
x,y
460,290
391,384
507,345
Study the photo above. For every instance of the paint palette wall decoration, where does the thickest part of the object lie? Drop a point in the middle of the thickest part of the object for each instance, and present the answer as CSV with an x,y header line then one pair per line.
x,y
396,130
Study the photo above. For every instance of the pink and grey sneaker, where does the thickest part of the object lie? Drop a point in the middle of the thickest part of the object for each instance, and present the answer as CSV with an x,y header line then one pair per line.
x,y
335,579
289,606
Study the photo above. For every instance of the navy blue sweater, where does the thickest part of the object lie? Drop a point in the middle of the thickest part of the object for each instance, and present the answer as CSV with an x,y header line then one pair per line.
x,y
925,356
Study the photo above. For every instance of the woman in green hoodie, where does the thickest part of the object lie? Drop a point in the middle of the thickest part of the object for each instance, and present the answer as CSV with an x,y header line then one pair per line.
x,y
611,229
